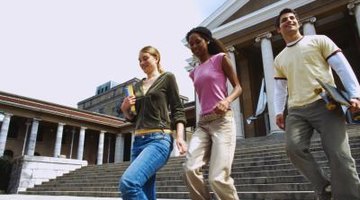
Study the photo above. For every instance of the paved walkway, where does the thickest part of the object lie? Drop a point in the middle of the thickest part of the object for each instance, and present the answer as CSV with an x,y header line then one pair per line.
x,y
44,197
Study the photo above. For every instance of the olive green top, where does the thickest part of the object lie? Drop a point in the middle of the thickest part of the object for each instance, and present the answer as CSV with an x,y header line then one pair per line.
x,y
153,107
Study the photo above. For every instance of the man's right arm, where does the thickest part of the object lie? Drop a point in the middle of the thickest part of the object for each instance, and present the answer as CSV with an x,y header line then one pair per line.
x,y
280,96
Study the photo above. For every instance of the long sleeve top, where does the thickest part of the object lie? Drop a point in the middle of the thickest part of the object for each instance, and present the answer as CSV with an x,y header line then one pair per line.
x,y
154,106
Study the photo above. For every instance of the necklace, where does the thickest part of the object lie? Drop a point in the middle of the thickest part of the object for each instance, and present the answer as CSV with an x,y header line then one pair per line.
x,y
147,83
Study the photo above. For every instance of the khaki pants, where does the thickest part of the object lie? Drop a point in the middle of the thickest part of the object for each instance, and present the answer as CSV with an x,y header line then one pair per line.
x,y
213,142
300,125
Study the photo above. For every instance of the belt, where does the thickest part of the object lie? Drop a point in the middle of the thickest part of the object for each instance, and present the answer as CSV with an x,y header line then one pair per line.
x,y
153,130
214,116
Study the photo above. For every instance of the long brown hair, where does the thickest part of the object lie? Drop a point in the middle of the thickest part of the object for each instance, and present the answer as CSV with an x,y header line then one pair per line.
x,y
154,52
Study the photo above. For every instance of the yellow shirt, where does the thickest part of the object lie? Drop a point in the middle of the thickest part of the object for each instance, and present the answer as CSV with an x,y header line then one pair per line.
x,y
301,63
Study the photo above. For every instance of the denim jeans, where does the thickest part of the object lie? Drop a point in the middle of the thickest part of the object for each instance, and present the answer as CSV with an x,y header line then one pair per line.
x,y
150,152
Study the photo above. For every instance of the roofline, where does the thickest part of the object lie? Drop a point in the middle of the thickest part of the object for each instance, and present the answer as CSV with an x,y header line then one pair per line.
x,y
257,17
60,110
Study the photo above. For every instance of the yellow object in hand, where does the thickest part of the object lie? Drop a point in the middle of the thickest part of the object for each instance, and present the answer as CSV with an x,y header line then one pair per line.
x,y
129,91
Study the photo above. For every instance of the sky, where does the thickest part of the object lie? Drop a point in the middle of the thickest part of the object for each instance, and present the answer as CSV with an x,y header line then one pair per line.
x,y
60,51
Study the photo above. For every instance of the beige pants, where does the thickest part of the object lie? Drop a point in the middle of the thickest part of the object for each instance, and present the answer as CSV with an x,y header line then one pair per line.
x,y
213,142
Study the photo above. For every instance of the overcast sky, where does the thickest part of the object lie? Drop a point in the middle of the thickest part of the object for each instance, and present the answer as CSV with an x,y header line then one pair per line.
x,y
60,51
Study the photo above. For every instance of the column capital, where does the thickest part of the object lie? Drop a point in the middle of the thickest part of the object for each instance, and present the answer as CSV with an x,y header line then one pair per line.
x,y
36,119
61,124
193,62
5,115
8,114
351,6
83,128
311,20
231,49
266,35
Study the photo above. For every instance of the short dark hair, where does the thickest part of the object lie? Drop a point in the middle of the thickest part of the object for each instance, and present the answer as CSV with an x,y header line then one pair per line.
x,y
284,11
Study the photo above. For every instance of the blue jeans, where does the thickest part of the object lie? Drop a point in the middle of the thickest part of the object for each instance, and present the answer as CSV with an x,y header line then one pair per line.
x,y
150,152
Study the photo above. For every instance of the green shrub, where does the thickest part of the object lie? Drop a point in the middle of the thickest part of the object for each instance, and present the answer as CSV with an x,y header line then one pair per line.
x,y
5,171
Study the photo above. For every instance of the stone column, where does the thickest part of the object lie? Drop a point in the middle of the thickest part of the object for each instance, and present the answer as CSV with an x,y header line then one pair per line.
x,y
119,149
235,105
100,153
268,58
309,26
33,135
4,132
27,123
193,62
80,150
132,143
72,142
197,108
354,9
59,135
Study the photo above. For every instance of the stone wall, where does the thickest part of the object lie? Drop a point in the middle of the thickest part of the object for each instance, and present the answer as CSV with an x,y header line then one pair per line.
x,y
28,171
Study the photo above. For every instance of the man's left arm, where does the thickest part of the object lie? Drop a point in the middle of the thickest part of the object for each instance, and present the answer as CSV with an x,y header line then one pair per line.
x,y
342,67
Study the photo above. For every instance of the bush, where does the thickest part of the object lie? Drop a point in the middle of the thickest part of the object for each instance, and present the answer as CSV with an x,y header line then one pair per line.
x,y
5,172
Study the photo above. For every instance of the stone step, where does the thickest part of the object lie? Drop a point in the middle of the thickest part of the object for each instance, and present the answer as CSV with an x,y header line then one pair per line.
x,y
242,165
278,195
273,165
261,170
182,188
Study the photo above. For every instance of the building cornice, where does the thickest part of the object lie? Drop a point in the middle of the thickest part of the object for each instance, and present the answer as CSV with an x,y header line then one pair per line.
x,y
223,13
257,17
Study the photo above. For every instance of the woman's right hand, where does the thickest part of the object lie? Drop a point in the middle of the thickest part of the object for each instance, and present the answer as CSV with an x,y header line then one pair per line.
x,y
127,103
280,121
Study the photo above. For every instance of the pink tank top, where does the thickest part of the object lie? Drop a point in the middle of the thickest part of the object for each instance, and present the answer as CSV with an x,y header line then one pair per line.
x,y
210,83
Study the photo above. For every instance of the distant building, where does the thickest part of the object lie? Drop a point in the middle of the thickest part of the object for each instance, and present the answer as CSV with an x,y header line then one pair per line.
x,y
109,97
105,87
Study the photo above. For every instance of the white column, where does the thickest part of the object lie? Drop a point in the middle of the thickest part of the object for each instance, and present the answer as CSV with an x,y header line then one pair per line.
x,y
193,62
4,132
72,142
132,143
27,123
235,105
119,149
308,26
33,135
354,8
268,58
58,140
100,153
80,150
197,108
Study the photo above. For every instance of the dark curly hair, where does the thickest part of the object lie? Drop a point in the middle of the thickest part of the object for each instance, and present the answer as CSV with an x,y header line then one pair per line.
x,y
215,46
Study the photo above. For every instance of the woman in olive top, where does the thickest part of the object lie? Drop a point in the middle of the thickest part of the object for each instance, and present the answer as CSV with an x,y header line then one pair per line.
x,y
155,96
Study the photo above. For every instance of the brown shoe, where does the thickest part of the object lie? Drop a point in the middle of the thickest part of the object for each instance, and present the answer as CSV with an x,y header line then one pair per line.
x,y
325,194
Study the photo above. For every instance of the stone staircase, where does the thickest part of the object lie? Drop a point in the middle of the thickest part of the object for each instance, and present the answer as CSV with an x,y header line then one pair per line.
x,y
261,170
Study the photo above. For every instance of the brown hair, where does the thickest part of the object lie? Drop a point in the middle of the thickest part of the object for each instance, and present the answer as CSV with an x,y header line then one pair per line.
x,y
154,52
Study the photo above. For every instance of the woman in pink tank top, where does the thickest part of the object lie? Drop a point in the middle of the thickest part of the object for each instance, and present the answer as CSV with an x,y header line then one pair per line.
x,y
214,139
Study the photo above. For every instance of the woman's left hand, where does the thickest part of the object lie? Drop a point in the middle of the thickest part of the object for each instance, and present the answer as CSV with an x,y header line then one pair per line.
x,y
222,106
181,145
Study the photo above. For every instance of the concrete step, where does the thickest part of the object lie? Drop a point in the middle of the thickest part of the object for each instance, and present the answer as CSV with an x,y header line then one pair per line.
x,y
261,170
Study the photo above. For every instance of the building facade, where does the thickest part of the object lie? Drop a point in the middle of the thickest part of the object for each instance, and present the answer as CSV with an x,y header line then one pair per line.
x,y
248,31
